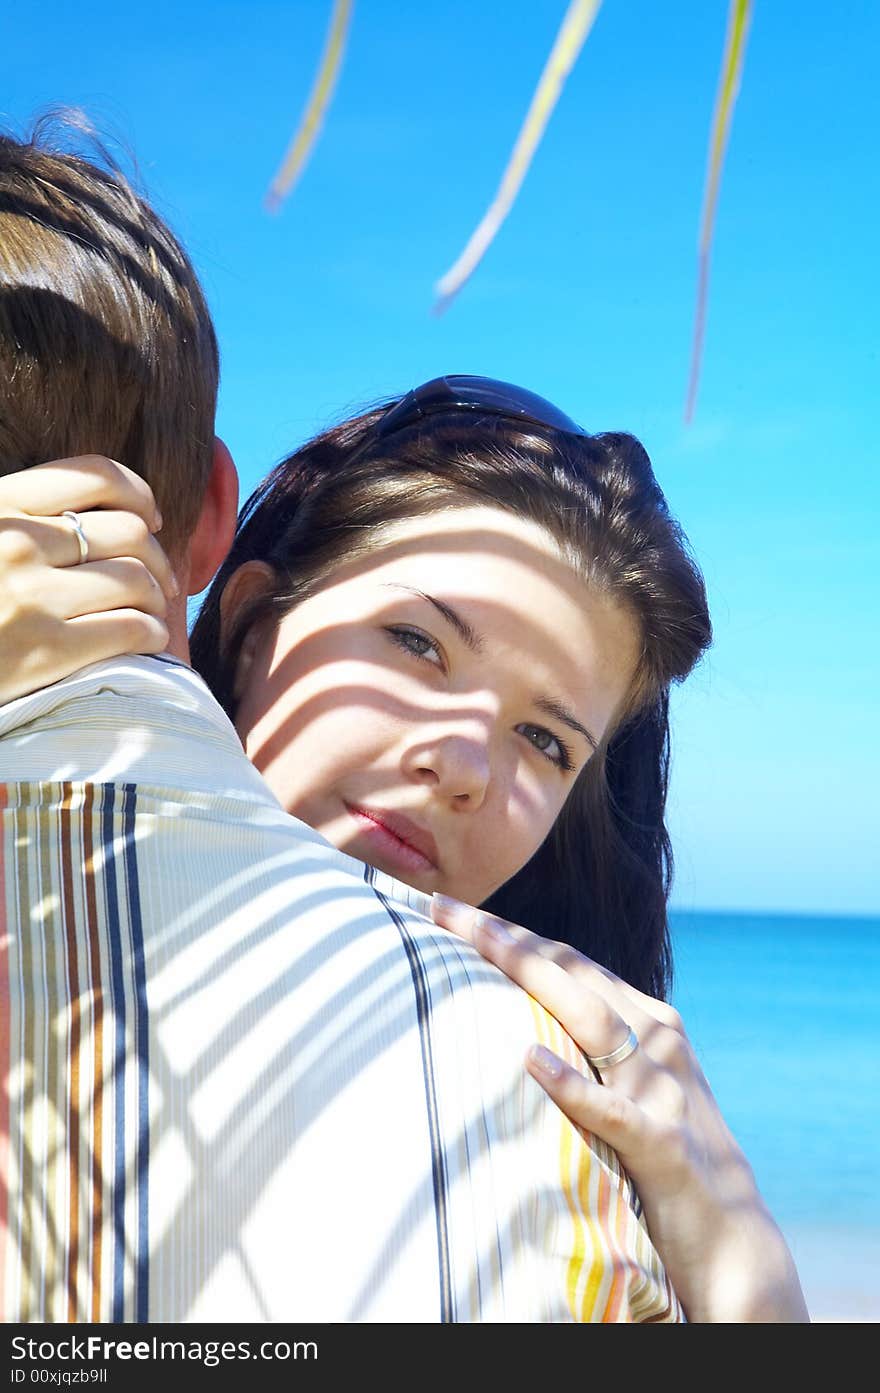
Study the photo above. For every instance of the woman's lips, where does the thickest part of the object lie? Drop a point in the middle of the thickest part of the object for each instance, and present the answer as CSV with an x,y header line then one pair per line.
x,y
396,837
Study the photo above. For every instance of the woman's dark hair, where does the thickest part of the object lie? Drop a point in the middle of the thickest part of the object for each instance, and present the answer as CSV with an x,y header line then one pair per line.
x,y
601,879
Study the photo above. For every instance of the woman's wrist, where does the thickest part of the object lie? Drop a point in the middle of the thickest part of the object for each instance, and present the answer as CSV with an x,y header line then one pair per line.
x,y
750,1276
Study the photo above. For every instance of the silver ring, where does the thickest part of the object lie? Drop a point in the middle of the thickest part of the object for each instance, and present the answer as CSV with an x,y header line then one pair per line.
x,y
76,528
605,1061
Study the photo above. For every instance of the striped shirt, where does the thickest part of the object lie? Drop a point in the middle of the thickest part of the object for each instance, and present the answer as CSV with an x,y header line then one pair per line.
x,y
247,1078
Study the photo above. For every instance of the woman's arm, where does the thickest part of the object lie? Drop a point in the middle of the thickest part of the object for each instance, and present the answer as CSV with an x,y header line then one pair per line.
x,y
724,1253
59,613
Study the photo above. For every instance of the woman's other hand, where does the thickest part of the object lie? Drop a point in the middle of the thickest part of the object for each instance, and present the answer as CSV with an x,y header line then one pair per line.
x,y
725,1255
59,612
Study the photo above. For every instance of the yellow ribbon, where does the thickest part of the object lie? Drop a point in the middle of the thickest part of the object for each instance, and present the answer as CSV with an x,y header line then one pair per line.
x,y
739,15
301,145
569,41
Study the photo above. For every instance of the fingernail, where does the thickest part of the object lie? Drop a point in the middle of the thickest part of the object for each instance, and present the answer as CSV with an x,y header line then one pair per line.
x,y
456,912
157,522
493,929
445,903
450,908
175,588
544,1059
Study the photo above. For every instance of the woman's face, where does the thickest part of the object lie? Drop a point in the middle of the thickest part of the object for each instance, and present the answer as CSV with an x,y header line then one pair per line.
x,y
429,709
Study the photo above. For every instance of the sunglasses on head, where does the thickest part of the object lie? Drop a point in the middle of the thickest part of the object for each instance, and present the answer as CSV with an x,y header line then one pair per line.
x,y
482,395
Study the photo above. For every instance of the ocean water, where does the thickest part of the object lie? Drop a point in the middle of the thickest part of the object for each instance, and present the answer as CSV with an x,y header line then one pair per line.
x,y
784,1013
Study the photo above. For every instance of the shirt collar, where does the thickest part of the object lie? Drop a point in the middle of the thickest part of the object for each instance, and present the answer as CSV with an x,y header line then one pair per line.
x,y
158,725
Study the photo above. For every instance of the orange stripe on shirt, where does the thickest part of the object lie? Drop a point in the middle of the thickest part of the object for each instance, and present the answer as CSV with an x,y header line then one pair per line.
x,y
97,1177
68,910
577,1194
599,1246
619,1277
544,1024
609,1227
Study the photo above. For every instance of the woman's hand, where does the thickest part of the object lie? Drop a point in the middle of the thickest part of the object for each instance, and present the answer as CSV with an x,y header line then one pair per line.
x,y
57,612
725,1255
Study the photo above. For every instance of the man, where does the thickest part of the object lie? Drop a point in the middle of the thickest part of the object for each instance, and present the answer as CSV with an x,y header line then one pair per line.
x,y
244,1078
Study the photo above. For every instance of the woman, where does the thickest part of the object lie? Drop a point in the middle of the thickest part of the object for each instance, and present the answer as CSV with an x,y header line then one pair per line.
x,y
446,634
470,440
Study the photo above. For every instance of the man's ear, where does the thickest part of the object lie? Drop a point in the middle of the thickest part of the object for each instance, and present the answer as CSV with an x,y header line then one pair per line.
x,y
252,579
215,528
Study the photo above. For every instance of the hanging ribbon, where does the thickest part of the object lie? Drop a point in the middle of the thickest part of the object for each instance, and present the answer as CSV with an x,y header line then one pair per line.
x,y
739,15
301,145
569,41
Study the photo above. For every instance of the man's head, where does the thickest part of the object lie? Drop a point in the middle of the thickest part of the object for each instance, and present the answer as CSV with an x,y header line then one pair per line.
x,y
106,343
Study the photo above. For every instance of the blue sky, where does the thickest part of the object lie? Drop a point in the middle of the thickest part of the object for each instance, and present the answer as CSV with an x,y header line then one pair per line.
x,y
587,297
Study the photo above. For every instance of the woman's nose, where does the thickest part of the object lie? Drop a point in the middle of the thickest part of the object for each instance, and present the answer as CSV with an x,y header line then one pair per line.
x,y
456,764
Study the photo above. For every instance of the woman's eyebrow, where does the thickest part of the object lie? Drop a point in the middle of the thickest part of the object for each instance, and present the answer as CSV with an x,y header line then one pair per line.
x,y
464,630
562,713
473,640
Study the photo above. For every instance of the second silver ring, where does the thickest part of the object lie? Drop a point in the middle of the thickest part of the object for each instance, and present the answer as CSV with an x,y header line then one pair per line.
x,y
605,1061
76,528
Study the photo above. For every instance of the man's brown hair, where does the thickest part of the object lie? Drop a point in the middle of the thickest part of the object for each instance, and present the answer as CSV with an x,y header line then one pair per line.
x,y
106,343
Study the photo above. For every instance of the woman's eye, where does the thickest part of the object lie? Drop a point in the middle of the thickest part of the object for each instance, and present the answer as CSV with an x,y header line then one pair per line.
x,y
551,747
415,642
